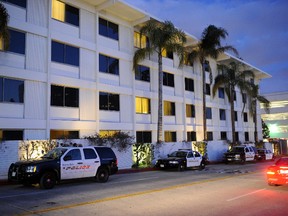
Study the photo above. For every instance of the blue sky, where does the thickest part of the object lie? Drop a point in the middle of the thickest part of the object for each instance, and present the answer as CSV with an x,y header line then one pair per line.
x,y
258,29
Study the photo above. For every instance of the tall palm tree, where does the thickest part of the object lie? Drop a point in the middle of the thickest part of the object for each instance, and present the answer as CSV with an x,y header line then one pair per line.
x,y
162,36
231,76
209,46
4,33
254,97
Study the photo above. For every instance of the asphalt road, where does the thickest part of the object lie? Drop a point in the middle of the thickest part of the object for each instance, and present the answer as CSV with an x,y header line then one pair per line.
x,y
217,190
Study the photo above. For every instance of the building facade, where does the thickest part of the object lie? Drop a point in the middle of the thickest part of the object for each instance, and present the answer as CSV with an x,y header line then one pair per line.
x,y
68,73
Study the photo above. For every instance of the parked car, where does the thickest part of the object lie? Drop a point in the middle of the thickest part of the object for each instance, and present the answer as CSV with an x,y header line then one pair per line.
x,y
65,163
181,160
265,154
240,154
277,174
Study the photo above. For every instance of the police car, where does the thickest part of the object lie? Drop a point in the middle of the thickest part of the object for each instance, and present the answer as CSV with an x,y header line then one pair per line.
x,y
65,163
181,160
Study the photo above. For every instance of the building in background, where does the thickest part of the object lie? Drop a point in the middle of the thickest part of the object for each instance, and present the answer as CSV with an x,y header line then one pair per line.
x,y
277,120
68,73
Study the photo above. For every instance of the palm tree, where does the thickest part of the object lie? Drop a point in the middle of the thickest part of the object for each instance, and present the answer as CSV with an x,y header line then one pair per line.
x,y
209,46
253,97
162,36
4,33
232,76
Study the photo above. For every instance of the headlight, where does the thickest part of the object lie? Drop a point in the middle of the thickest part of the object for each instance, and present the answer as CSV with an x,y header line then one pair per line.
x,y
237,156
31,169
173,162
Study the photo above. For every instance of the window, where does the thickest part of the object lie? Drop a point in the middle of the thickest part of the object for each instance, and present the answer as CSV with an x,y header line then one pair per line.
x,y
222,114
11,90
74,154
169,108
105,133
208,89
223,135
168,79
143,73
64,96
236,116
191,136
64,134
207,66
209,136
190,110
65,54
235,95
186,60
108,64
143,137
167,54
189,84
65,13
208,113
140,41
244,97
108,29
11,134
237,136
142,105
89,153
245,117
221,93
109,101
20,3
170,136
247,136
17,42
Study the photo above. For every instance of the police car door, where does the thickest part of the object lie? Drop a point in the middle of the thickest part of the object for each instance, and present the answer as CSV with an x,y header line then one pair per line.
x,y
91,162
70,164
193,159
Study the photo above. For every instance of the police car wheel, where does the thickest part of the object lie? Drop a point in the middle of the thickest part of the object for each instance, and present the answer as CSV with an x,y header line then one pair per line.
x,y
181,167
48,180
102,175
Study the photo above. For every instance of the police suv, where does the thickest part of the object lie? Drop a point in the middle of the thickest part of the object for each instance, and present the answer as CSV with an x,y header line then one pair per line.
x,y
63,163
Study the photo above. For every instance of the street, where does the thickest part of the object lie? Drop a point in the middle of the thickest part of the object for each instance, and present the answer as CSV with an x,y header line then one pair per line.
x,y
220,189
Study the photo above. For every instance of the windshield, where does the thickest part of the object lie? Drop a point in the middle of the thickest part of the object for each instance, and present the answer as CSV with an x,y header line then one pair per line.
x,y
237,149
178,154
55,153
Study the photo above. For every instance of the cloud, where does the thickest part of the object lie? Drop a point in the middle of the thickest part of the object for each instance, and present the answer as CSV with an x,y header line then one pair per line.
x,y
257,28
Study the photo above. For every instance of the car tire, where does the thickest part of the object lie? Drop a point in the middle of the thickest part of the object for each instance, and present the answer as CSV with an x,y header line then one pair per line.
x,y
202,166
181,167
48,180
102,175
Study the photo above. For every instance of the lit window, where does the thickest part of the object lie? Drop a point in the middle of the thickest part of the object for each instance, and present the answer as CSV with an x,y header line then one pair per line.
x,y
140,41
108,29
65,13
64,134
167,54
108,101
170,136
190,110
169,108
142,105
11,90
108,133
186,60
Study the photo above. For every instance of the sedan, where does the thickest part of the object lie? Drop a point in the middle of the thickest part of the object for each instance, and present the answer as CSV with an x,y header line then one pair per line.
x,y
277,174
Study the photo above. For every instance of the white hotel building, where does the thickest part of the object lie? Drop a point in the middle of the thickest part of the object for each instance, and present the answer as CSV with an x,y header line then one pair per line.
x,y
68,72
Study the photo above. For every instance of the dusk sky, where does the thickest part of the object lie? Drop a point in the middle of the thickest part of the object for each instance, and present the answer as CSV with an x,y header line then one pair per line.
x,y
258,29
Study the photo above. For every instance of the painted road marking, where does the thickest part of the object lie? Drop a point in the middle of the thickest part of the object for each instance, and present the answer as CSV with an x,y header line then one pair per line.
x,y
129,195
244,195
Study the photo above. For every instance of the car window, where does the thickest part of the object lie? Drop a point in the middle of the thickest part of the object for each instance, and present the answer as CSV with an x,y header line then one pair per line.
x,y
74,154
89,154
189,155
196,154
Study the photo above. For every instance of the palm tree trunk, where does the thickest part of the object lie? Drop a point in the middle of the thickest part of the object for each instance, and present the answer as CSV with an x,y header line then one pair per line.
x,y
255,123
204,100
232,116
160,100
